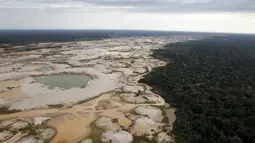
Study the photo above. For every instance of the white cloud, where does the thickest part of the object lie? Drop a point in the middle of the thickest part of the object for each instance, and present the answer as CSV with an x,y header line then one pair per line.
x,y
142,15
140,5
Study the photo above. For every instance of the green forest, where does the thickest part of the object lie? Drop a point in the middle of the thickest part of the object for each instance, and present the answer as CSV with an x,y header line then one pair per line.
x,y
211,83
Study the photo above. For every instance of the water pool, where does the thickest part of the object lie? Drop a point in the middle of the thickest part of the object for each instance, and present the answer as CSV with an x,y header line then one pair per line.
x,y
64,81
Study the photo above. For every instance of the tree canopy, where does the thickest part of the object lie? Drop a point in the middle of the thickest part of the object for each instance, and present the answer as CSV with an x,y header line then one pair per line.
x,y
211,82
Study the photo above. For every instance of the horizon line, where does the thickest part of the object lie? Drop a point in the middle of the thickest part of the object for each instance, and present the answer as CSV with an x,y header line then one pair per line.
x,y
152,30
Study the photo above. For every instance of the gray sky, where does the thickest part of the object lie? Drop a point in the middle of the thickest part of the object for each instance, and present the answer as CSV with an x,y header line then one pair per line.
x,y
237,16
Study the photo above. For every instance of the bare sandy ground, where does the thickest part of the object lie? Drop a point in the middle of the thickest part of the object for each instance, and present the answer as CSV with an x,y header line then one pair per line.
x,y
73,124
10,89
14,93
115,65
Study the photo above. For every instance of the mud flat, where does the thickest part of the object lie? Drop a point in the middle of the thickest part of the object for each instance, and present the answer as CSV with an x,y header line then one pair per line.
x,y
85,92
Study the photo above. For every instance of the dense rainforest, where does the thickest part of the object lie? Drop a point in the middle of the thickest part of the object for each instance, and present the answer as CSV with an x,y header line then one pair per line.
x,y
211,83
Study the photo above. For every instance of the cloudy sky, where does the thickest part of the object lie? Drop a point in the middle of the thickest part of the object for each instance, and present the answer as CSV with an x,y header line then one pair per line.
x,y
235,16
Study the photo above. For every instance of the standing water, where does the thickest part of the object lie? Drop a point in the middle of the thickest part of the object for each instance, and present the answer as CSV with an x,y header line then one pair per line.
x,y
64,81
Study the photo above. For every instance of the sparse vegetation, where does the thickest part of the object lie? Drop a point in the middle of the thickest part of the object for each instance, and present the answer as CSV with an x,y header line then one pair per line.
x,y
6,110
56,106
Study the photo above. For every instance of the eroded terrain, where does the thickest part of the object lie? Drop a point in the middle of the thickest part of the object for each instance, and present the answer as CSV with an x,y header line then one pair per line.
x,y
38,103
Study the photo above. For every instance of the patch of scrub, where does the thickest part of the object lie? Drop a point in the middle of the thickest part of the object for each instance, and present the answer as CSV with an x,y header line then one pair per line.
x,y
117,137
64,81
46,134
145,126
163,137
30,139
138,99
5,135
107,104
19,125
118,116
133,98
107,124
25,127
132,116
4,124
152,112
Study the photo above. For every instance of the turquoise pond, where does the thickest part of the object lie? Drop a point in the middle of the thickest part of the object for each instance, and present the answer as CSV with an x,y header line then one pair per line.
x,y
64,81
46,68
